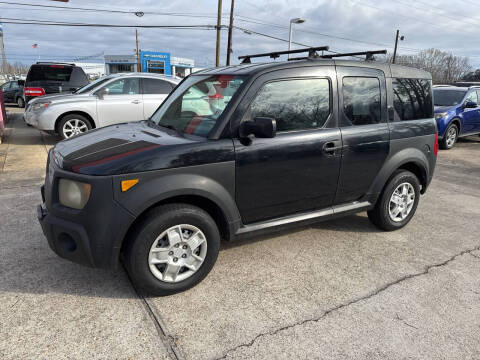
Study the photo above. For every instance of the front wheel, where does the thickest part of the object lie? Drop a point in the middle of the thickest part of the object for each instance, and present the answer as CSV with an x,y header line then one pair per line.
x,y
450,137
397,203
172,249
72,125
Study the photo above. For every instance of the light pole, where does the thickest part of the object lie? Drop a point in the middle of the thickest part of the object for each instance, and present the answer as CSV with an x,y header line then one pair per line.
x,y
397,36
293,21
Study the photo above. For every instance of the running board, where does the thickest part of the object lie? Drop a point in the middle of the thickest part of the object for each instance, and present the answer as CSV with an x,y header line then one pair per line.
x,y
314,215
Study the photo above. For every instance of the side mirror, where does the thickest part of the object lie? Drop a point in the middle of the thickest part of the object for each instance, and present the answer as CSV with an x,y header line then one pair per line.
x,y
470,105
21,82
102,92
261,127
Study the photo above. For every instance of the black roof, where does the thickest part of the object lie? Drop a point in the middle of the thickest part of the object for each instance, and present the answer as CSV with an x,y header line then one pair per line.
x,y
390,70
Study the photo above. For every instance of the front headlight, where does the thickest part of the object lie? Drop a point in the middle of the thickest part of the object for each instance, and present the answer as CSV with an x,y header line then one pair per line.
x,y
440,115
73,194
39,106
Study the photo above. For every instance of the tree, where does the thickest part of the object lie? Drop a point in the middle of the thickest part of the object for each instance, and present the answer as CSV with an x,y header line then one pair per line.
x,y
445,67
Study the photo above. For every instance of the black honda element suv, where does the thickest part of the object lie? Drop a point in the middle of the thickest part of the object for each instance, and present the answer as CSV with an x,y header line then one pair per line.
x,y
242,150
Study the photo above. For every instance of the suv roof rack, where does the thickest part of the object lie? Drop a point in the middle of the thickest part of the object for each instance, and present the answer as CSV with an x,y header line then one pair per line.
x,y
368,54
312,52
53,62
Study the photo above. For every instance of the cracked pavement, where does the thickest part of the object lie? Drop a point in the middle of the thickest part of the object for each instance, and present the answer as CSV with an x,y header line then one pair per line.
x,y
336,290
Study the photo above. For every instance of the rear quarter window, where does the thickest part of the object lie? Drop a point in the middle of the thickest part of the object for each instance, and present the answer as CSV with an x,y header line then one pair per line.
x,y
412,99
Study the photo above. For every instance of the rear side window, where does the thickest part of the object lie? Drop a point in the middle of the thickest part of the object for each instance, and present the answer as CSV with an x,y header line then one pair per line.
x,y
155,86
361,100
412,99
294,104
49,72
78,77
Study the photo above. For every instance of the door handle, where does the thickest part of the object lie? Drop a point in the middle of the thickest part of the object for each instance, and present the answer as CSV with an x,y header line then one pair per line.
x,y
330,147
136,102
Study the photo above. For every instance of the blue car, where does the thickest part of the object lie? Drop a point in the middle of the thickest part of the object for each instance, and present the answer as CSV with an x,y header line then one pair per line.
x,y
457,112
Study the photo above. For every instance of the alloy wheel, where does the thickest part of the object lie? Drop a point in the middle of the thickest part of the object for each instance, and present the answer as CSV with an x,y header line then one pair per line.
x,y
177,253
74,127
451,136
401,202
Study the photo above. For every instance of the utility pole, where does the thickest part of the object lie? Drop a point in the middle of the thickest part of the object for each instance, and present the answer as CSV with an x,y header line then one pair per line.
x,y
2,51
138,54
230,28
219,24
395,48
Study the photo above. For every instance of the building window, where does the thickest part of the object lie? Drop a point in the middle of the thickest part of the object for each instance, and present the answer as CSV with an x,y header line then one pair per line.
x,y
361,100
156,66
412,99
120,68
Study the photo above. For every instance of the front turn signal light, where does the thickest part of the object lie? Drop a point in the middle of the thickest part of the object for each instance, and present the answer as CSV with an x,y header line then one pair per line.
x,y
127,184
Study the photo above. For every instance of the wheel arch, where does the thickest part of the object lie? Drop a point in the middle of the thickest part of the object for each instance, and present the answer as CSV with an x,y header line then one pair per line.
x,y
75,112
412,160
458,122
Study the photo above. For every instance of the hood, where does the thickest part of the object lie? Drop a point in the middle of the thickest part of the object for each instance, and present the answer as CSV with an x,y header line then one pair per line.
x,y
60,97
439,109
124,148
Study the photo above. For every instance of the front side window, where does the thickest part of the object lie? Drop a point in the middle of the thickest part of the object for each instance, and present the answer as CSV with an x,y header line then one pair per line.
x,y
155,86
472,97
126,86
195,105
361,100
14,86
294,104
412,99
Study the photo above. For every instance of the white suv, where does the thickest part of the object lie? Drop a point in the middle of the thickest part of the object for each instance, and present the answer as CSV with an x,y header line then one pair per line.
x,y
109,100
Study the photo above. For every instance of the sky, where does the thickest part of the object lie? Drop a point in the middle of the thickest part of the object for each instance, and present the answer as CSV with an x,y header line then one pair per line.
x,y
344,25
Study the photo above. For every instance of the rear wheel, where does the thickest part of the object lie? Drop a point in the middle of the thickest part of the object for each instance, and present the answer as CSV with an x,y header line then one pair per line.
x,y
72,125
172,249
20,102
397,203
450,137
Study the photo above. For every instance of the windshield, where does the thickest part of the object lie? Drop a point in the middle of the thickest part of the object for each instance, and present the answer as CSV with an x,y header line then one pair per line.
x,y
92,85
195,106
444,97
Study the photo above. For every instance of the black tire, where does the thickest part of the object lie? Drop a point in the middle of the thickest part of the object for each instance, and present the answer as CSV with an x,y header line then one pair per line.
x,y
380,215
20,102
444,143
143,236
72,117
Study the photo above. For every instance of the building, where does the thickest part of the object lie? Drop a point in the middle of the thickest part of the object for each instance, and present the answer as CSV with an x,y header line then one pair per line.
x,y
150,61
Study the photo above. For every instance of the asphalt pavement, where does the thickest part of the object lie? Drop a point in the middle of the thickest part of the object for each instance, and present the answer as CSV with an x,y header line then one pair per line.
x,y
340,289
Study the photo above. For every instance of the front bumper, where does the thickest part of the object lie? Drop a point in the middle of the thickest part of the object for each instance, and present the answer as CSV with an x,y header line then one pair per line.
x,y
42,120
91,236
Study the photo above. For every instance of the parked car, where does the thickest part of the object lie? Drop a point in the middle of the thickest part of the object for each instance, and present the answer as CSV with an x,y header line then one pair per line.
x,y
109,100
13,92
457,112
261,146
45,78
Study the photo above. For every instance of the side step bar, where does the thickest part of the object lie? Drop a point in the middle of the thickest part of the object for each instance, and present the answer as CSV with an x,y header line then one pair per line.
x,y
304,217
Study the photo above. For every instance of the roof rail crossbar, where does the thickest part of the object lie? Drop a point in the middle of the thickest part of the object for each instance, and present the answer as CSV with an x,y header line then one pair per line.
x,y
368,54
312,52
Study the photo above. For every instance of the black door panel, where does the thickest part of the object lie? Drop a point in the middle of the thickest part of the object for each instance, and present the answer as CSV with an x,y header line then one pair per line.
x,y
297,171
287,174
366,145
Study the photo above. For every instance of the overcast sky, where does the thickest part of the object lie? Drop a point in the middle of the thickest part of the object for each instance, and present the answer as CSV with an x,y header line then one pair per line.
x,y
344,25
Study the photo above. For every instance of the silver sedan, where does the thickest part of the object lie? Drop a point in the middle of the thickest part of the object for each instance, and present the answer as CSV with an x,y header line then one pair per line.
x,y
109,100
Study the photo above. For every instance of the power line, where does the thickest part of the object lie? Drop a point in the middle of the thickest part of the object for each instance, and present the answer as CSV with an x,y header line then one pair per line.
x,y
66,23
